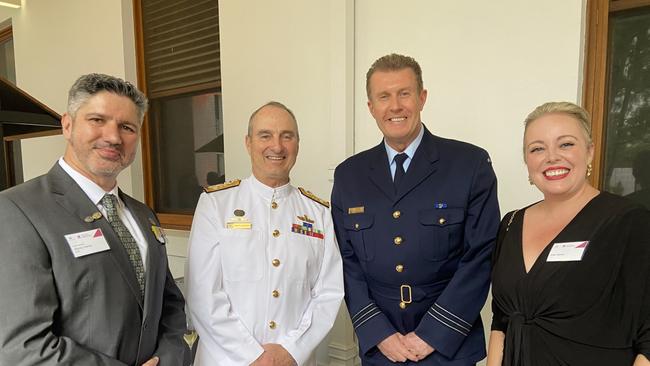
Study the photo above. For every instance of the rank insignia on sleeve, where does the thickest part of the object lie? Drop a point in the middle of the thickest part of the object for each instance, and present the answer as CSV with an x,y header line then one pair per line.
x,y
307,228
222,186
313,197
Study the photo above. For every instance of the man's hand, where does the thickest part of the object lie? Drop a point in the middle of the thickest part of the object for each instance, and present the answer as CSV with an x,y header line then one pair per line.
x,y
395,350
274,355
152,361
265,359
417,346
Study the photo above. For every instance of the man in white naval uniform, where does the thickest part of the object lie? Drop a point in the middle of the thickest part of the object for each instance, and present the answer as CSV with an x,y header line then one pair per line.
x,y
264,273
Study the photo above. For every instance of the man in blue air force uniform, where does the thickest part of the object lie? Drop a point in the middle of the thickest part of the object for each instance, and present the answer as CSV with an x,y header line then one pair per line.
x,y
416,218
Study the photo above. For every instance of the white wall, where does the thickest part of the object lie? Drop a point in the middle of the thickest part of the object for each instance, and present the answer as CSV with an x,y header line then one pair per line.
x,y
57,41
486,65
294,52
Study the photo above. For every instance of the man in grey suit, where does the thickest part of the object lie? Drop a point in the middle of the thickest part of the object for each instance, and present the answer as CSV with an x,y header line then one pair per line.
x,y
84,278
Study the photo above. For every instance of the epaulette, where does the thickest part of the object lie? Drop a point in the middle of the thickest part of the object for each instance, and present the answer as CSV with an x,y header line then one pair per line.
x,y
313,197
222,186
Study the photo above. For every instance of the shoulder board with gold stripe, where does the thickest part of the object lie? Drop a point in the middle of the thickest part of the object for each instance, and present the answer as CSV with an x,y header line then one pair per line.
x,y
313,197
222,186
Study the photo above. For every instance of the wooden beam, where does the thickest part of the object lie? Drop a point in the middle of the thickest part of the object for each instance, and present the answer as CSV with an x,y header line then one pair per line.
x,y
29,119
595,83
618,5
4,177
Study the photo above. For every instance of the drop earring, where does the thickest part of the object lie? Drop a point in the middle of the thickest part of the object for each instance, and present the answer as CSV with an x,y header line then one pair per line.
x,y
589,170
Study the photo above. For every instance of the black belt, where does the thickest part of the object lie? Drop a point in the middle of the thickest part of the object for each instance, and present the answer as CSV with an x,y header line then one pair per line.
x,y
407,293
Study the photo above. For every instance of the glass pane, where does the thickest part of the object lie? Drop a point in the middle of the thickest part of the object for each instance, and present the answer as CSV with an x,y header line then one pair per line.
x,y
627,139
187,149
7,64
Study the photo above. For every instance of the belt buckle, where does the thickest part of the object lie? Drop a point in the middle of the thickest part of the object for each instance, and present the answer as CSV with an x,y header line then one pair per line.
x,y
403,302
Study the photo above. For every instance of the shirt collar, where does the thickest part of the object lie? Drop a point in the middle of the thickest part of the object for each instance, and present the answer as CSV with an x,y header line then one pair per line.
x,y
90,188
410,150
267,192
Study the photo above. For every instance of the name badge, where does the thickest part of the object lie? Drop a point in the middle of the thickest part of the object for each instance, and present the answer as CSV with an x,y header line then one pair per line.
x,y
567,252
356,210
239,221
87,242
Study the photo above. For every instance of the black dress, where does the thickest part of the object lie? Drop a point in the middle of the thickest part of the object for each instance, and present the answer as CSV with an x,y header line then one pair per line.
x,y
595,311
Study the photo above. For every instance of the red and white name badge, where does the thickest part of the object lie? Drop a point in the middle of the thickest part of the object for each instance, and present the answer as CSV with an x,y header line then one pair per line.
x,y
567,252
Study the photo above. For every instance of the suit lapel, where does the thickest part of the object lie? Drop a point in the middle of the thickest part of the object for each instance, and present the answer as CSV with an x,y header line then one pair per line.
x,y
421,167
379,172
71,197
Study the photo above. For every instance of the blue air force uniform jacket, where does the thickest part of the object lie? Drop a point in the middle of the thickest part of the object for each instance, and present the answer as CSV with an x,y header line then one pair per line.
x,y
419,259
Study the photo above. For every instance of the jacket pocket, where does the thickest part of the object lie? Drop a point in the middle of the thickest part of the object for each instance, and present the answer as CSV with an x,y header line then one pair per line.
x,y
358,227
441,232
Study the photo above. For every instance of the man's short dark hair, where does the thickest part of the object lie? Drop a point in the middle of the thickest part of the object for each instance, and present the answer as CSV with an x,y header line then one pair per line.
x,y
395,62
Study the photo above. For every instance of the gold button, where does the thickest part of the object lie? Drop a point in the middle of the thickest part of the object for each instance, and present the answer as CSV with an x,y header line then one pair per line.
x,y
356,226
276,233
399,268
272,324
275,262
275,293
274,205
442,221
402,305
397,240
397,214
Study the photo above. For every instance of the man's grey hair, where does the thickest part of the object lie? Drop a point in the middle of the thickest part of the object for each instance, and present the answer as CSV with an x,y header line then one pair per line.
x,y
88,85
272,104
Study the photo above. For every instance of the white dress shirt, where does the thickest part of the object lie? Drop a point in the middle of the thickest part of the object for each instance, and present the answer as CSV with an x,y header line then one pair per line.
x,y
258,273
409,151
95,193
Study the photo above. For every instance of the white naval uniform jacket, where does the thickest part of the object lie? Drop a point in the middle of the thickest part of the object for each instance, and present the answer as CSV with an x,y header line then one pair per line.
x,y
258,273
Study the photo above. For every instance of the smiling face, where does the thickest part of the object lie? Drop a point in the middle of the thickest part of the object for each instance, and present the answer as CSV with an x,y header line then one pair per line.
x,y
557,153
272,145
395,102
102,137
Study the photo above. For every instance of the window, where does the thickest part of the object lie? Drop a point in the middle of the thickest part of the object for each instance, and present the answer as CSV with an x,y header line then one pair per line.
x,y
617,93
178,50
11,173
7,60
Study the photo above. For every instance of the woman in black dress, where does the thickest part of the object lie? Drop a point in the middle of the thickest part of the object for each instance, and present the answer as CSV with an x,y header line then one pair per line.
x,y
571,275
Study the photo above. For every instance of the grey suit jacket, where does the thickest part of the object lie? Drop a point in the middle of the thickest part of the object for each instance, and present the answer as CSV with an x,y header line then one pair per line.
x,y
56,309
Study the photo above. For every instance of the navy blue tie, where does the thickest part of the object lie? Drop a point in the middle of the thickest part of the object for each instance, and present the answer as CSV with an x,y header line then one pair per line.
x,y
399,169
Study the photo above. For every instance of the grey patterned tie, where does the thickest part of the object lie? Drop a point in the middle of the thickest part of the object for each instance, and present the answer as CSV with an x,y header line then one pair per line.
x,y
109,202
